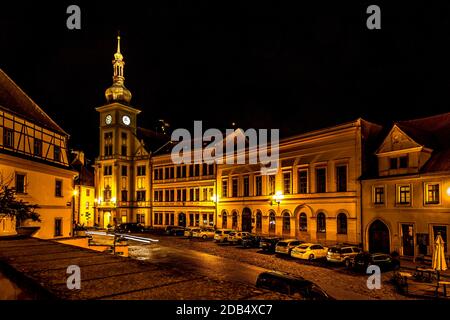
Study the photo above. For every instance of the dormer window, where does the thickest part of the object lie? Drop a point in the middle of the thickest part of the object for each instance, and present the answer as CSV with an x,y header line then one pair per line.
x,y
399,163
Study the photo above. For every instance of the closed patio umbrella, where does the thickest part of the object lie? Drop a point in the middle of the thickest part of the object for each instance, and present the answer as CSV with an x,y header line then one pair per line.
x,y
439,263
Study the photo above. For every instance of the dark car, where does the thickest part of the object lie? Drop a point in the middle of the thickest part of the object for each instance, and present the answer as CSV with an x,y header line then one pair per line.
x,y
363,260
250,241
129,227
291,285
268,243
175,231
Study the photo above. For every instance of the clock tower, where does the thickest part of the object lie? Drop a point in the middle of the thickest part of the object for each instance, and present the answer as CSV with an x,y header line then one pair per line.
x,y
115,165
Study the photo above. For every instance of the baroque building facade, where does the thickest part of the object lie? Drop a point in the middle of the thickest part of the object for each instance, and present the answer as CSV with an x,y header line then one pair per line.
x,y
407,201
34,160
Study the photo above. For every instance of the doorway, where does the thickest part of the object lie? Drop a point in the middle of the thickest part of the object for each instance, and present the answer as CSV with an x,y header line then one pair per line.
x,y
408,239
379,237
247,220
182,219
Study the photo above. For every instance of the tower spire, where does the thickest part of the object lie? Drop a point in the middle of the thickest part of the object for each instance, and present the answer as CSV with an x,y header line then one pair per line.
x,y
118,91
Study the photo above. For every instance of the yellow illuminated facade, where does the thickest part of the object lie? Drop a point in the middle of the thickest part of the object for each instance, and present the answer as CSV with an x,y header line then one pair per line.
x,y
34,160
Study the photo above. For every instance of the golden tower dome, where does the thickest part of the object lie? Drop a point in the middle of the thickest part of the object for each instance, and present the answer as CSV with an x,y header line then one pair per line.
x,y
118,92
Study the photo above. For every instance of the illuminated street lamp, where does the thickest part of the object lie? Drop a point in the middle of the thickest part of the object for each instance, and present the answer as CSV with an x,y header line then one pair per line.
x,y
277,197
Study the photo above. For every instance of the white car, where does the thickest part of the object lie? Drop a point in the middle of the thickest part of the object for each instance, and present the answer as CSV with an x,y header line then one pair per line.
x,y
204,233
188,232
309,251
221,235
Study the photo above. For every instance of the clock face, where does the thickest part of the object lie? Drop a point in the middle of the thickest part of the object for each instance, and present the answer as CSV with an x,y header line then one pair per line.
x,y
108,119
126,120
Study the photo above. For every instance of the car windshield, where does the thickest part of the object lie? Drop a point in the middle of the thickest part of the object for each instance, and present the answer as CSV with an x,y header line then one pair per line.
x,y
282,244
334,250
303,247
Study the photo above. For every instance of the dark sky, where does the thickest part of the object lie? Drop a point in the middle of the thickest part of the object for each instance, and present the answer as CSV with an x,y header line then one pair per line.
x,y
294,67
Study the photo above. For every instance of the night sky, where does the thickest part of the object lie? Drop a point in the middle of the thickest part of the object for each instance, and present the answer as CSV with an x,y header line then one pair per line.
x,y
258,64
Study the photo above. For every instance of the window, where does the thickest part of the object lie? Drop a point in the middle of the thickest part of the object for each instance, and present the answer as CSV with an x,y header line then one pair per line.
x,y
399,163
123,149
158,174
158,196
432,193
140,218
107,170
108,144
205,169
404,194
124,195
303,222
258,221
183,195
166,173
166,195
234,188
211,169
197,170
183,171
224,219
341,178
342,223
272,222
321,180
246,186
403,162
287,182
258,185
211,219
321,223
58,188
38,147
197,194
57,153
141,170
178,171
88,192
197,219
286,223
158,218
302,181
8,138
224,188
191,170
140,195
379,195
107,193
20,183
58,227
191,219
124,171
271,185
234,222
205,219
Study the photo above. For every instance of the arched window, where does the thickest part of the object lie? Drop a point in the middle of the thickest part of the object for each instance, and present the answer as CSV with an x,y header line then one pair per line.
x,y
224,219
258,221
286,223
234,222
342,223
272,222
303,222
321,223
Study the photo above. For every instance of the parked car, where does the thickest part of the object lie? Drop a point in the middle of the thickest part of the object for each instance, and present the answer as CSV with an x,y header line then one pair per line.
x,y
286,246
342,253
129,227
268,244
251,241
175,231
236,237
203,233
188,232
221,235
309,251
294,286
364,259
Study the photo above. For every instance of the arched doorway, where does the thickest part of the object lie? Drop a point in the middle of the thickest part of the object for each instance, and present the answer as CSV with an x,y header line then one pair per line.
x,y
247,220
258,221
182,219
234,220
224,219
106,219
286,225
272,222
379,237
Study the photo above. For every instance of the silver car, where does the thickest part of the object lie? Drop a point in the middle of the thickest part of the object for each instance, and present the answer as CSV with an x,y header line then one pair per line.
x,y
286,246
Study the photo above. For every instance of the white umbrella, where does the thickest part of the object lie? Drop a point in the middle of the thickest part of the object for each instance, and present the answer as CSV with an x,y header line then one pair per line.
x,y
439,263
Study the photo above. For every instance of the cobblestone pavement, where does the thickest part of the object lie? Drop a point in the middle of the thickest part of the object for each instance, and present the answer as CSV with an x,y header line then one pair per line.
x,y
336,280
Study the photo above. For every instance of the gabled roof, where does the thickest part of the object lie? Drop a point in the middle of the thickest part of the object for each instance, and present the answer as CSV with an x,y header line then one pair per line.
x,y
15,100
152,140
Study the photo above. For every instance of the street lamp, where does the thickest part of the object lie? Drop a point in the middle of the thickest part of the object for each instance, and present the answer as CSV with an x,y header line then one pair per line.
x,y
277,197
